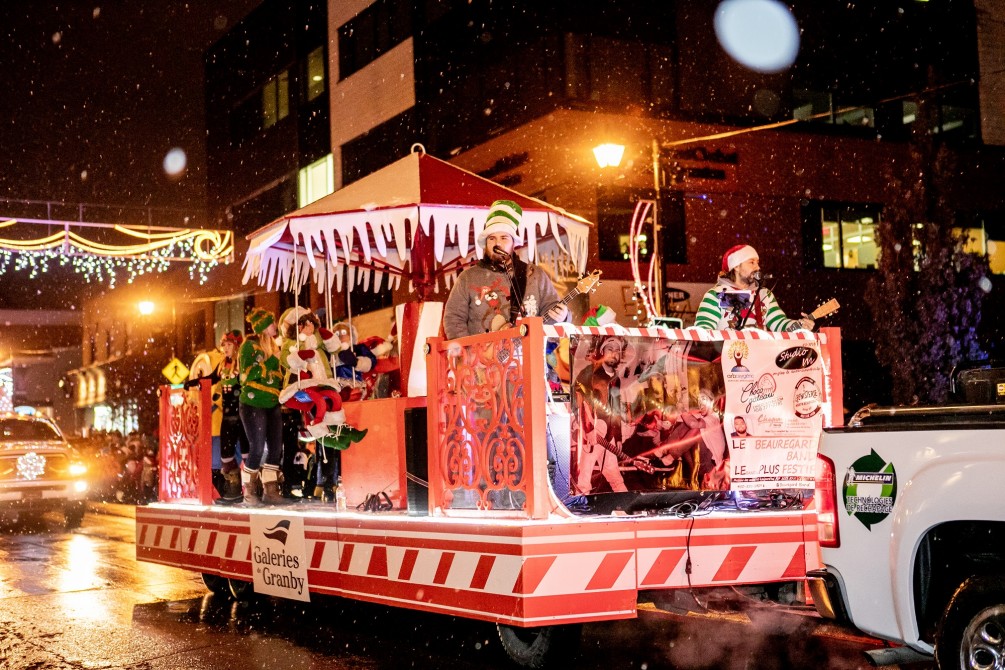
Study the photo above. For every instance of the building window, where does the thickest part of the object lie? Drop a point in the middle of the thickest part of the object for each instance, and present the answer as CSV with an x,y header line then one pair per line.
x,y
615,207
986,235
608,70
372,33
378,147
844,234
315,73
276,100
315,181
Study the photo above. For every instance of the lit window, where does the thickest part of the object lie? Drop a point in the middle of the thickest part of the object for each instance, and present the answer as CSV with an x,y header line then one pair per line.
x,y
979,241
276,100
847,234
315,73
316,180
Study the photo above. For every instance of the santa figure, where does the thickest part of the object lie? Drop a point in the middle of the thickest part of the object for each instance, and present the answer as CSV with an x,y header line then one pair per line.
x,y
311,388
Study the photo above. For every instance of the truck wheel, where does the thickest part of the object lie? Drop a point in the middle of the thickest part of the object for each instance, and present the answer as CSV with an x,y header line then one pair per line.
x,y
73,516
540,647
243,592
216,584
972,631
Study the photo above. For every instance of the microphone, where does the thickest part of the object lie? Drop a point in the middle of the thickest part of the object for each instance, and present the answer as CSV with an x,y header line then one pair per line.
x,y
507,260
759,278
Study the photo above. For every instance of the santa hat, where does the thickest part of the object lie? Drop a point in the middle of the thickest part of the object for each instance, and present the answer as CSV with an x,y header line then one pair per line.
x,y
504,217
377,345
737,255
260,319
601,315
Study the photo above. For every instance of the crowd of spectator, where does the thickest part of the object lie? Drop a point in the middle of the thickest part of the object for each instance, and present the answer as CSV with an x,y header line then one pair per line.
x,y
122,468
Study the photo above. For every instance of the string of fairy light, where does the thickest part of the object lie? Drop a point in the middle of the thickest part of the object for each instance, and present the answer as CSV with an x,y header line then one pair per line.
x,y
140,252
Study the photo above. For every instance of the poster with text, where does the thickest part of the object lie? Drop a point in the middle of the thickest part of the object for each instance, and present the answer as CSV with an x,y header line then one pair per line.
x,y
774,412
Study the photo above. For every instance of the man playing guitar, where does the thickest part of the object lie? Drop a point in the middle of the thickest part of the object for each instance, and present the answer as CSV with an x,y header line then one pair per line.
x,y
738,300
500,288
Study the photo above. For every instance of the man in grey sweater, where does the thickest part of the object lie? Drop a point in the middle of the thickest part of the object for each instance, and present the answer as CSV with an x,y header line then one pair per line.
x,y
500,288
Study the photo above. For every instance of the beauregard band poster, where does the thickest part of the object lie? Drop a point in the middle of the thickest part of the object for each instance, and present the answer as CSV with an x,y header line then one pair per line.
x,y
648,414
774,412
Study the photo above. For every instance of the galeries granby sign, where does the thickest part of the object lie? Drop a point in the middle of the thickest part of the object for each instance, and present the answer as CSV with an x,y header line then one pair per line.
x,y
278,556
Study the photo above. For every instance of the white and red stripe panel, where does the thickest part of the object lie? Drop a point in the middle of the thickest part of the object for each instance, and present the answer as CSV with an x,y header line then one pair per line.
x,y
690,334
195,538
519,572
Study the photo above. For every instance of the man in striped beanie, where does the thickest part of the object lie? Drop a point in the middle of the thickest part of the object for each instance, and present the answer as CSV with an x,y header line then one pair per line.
x,y
500,287
739,301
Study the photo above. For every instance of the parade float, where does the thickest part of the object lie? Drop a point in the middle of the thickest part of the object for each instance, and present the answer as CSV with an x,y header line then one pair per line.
x,y
501,501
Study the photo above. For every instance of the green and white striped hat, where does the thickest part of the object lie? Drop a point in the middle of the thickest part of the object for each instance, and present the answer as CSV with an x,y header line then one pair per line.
x,y
504,217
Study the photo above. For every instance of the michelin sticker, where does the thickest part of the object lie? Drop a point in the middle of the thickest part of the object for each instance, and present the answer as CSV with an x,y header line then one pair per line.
x,y
870,489
279,556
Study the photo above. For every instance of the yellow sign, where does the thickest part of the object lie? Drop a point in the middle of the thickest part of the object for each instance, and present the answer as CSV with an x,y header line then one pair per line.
x,y
175,371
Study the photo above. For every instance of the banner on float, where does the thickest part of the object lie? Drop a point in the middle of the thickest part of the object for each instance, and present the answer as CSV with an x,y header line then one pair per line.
x,y
645,415
774,412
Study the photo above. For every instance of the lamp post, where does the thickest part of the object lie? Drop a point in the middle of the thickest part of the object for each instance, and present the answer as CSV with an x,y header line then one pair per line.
x,y
610,155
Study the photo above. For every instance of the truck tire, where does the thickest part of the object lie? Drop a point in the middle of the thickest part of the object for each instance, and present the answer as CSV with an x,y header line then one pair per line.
x,y
216,584
540,647
972,631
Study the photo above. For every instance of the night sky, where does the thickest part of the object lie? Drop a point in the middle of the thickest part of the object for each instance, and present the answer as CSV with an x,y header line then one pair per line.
x,y
95,96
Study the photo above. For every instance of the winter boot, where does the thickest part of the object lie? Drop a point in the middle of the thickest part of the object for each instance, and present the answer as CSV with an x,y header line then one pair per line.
x,y
252,481
231,485
271,492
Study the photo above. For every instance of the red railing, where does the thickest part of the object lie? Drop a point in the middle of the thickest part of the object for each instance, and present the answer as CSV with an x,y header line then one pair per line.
x,y
186,445
486,403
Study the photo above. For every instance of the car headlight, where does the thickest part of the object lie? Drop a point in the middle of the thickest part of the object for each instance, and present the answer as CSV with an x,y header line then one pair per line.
x,y
77,469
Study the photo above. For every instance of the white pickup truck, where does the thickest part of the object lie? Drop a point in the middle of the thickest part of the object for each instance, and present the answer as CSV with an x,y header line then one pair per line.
x,y
911,515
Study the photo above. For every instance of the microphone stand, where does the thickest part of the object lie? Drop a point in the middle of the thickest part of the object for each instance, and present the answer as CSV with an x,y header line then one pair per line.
x,y
514,296
753,302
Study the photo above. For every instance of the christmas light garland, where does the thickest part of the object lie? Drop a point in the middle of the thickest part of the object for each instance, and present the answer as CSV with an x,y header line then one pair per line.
x,y
100,261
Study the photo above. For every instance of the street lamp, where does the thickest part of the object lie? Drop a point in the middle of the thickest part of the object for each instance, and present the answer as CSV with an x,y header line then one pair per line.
x,y
610,155
146,307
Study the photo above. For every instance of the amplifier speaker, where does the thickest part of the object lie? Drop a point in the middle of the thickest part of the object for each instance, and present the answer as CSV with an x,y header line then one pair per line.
x,y
982,386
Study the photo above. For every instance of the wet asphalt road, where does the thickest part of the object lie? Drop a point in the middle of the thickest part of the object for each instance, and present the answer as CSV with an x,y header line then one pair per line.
x,y
80,600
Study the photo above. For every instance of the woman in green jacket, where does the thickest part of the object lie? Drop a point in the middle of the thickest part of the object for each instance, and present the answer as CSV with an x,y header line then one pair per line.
x,y
261,381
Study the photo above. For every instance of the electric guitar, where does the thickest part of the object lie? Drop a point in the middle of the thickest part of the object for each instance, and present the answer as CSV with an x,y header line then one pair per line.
x,y
596,434
586,284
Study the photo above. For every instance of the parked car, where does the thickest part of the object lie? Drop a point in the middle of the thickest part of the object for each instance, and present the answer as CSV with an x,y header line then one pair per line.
x,y
39,470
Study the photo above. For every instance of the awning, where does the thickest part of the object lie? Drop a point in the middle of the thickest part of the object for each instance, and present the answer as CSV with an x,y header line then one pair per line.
x,y
417,218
